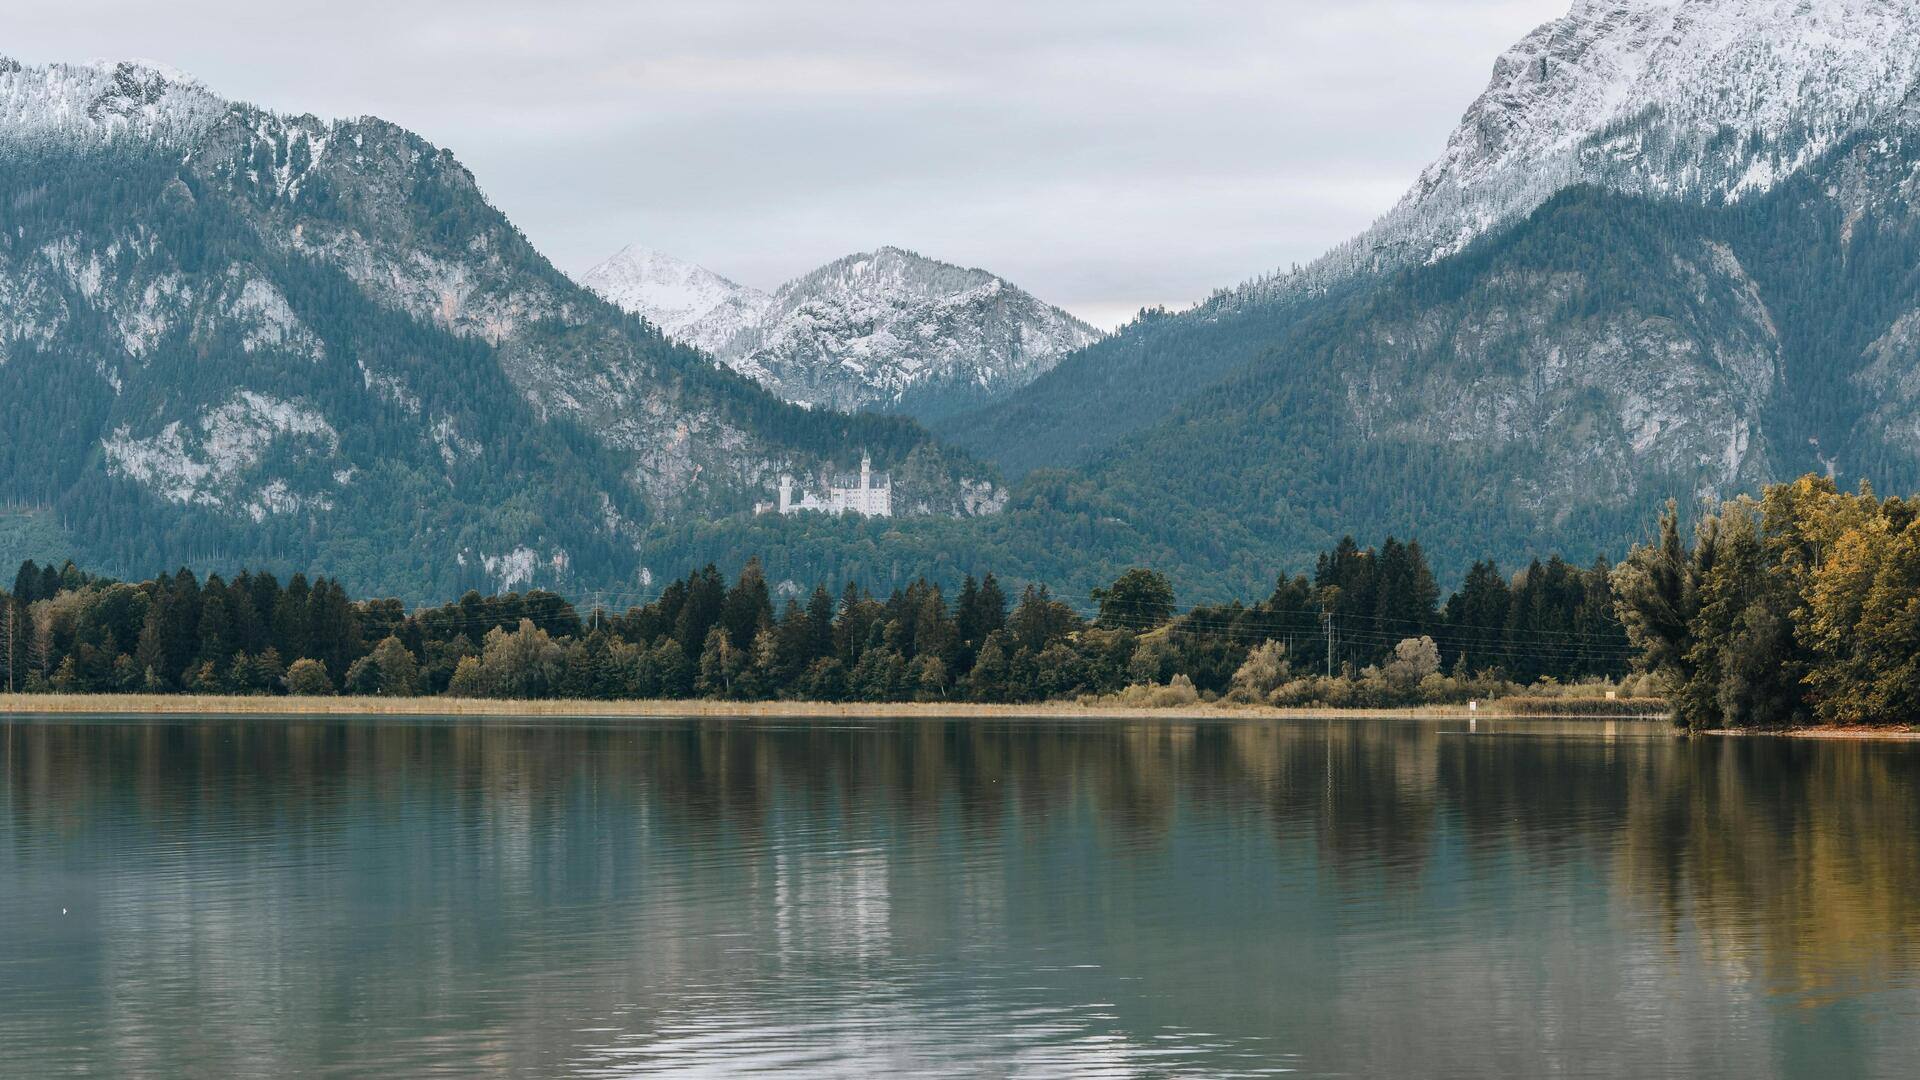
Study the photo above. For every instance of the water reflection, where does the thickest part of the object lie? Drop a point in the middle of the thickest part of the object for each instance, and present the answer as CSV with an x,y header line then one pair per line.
x,y
981,898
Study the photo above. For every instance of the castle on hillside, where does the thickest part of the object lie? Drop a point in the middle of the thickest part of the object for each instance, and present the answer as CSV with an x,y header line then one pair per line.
x,y
869,494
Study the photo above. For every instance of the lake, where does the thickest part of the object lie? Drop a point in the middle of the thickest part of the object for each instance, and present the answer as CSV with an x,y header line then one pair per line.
x,y
1357,898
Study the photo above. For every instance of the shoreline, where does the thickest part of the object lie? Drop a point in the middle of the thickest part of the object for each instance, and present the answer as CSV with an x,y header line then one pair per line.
x,y
1832,734
132,706
135,705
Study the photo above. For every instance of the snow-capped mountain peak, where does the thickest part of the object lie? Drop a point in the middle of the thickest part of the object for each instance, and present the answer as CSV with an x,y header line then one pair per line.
x,y
688,302
1789,75
876,328
1708,100
102,101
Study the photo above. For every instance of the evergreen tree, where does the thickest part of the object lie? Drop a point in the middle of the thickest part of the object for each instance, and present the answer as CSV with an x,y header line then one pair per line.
x,y
183,625
819,624
26,584
333,628
704,600
216,627
1039,620
748,608
1474,629
1658,592
292,619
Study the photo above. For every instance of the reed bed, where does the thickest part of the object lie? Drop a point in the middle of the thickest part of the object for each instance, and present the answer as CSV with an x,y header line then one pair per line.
x,y
1637,708
201,705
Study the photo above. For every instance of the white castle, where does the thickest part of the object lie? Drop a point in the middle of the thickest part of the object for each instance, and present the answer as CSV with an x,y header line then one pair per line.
x,y
869,494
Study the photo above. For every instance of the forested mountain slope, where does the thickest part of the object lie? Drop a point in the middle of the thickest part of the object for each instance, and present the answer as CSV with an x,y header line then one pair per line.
x,y
1545,391
1125,383
1706,102
1671,253
228,335
1555,383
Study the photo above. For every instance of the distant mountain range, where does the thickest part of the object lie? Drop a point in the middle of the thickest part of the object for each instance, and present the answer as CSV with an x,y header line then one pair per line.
x,y
1670,252
886,330
229,335
1673,251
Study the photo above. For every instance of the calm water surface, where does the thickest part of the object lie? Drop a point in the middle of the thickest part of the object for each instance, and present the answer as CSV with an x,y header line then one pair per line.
x,y
220,898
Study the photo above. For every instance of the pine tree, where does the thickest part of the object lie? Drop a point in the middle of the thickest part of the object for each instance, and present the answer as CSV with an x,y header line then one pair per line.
x,y
819,624
334,628
250,631
705,596
1475,624
1039,620
26,584
216,631
291,618
747,607
992,609
183,625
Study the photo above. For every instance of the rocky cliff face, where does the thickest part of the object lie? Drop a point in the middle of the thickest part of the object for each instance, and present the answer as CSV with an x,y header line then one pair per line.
x,y
1676,380
885,330
274,337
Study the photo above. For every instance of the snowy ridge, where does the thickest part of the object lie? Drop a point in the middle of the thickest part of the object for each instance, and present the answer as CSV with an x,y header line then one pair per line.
x,y
1699,99
689,303
102,102
865,330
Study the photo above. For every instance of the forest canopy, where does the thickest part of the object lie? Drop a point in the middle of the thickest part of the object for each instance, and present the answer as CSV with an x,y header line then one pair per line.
x,y
1366,628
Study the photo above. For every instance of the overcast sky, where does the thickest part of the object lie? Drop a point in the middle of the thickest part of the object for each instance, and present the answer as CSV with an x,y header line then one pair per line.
x,y
1104,154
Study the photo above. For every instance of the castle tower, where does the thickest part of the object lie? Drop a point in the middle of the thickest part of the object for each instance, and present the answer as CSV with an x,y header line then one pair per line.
x,y
786,494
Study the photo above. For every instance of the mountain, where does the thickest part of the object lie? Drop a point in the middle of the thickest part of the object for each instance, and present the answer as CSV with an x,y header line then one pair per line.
x,y
1550,387
229,335
887,330
1673,252
688,303
1544,391
1711,102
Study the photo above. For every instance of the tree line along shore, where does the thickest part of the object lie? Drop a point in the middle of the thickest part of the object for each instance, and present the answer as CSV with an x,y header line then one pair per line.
x,y
1566,707
1784,611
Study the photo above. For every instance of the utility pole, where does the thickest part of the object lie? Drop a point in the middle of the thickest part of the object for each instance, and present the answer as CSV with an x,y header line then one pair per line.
x,y
1329,599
